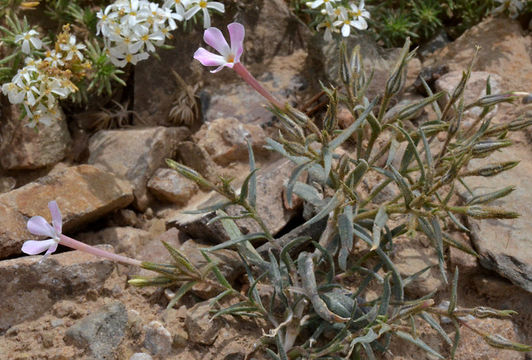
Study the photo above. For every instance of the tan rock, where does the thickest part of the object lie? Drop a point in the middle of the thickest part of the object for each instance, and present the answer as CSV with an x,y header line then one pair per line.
x,y
168,185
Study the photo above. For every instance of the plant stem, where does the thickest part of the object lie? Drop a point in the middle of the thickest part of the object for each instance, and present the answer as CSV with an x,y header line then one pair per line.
x,y
247,77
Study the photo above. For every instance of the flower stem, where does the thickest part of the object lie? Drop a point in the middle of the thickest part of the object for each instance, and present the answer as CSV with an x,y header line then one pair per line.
x,y
246,75
78,245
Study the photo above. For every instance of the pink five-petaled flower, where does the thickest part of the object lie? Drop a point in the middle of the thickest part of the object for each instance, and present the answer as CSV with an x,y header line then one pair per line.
x,y
37,225
229,55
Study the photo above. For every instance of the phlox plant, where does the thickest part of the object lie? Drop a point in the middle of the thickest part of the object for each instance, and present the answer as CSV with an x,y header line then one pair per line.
x,y
315,301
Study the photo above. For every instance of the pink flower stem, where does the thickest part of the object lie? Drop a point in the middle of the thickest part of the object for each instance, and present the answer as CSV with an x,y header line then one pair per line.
x,y
245,74
78,245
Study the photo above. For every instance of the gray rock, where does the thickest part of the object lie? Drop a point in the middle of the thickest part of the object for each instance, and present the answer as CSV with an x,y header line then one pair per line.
x,y
195,157
84,193
201,329
101,332
504,245
270,205
168,185
7,183
140,356
29,288
135,154
158,339
25,148
127,239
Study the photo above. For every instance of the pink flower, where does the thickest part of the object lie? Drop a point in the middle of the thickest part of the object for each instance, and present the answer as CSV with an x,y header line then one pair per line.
x,y
229,56
37,225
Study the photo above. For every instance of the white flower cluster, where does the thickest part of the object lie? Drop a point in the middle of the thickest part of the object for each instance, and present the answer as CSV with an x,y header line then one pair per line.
x,y
42,82
340,18
133,28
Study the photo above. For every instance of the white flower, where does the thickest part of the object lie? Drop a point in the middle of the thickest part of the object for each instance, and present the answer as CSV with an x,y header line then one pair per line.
x,y
27,38
54,58
204,5
329,29
359,15
121,57
317,3
353,18
72,48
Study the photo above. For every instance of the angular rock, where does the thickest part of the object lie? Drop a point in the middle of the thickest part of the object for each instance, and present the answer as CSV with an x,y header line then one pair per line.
x,y
101,332
225,139
23,147
127,239
168,185
504,245
270,186
158,339
135,154
473,347
29,288
504,50
84,193
153,250
195,157
7,183
201,329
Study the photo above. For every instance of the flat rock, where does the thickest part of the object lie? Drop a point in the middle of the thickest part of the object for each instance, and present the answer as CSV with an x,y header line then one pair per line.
x,y
504,50
168,185
195,157
125,239
29,288
270,185
101,332
135,154
84,193
225,139
504,245
201,329
23,147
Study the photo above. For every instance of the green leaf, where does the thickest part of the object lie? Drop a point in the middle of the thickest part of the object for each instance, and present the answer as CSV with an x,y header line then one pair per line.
x,y
235,309
380,221
345,229
385,297
293,180
308,193
245,189
330,206
180,258
418,342
454,293
436,326
179,294
356,175
339,140
208,209
252,197
238,240
216,271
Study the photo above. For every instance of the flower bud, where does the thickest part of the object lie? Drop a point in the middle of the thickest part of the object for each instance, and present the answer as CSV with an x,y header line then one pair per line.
x,y
485,212
492,169
501,342
481,199
483,148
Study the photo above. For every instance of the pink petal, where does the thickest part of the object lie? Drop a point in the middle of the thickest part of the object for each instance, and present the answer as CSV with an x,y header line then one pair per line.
x,y
57,219
236,34
37,225
229,65
207,58
34,247
215,38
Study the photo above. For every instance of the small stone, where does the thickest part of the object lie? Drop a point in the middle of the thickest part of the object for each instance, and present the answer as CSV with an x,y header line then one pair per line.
x,y
135,154
47,340
168,185
101,332
134,322
158,340
7,183
201,329
180,338
57,322
140,356
344,117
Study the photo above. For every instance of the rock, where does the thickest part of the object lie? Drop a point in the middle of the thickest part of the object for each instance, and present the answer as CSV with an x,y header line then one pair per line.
x,y
140,356
23,147
135,154
127,240
504,245
475,89
238,100
7,183
410,257
225,139
195,157
228,261
473,347
201,329
153,250
29,288
84,193
101,332
430,74
158,340
270,185
168,185
504,50
437,42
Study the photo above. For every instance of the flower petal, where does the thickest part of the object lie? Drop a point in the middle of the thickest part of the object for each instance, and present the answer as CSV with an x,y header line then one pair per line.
x,y
207,58
57,219
38,225
236,34
34,247
215,38
360,24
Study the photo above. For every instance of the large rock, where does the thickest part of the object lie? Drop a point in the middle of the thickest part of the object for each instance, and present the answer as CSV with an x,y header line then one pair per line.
x,y
504,245
84,193
29,288
270,206
101,332
504,50
135,154
168,185
23,147
126,239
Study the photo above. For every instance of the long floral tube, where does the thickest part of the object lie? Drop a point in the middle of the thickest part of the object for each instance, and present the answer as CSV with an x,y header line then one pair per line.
x,y
247,77
78,245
